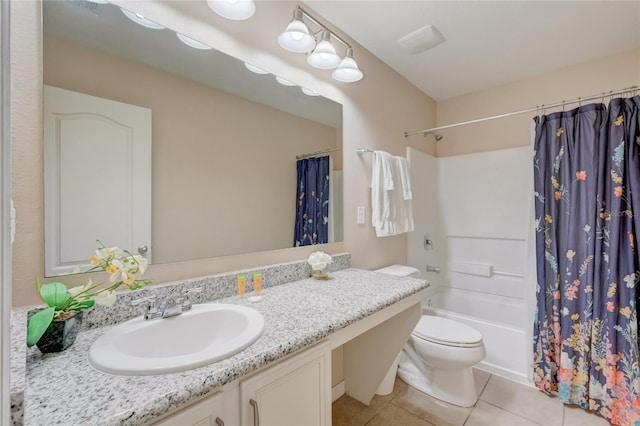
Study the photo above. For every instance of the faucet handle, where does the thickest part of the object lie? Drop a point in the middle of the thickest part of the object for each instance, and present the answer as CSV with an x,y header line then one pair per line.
x,y
151,300
150,305
186,302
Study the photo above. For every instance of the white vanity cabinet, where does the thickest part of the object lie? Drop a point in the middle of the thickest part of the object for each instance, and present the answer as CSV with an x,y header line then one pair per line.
x,y
293,393
296,391
218,410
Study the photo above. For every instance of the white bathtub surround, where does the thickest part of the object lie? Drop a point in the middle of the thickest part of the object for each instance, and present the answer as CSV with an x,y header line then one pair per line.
x,y
506,256
424,176
480,269
297,315
476,209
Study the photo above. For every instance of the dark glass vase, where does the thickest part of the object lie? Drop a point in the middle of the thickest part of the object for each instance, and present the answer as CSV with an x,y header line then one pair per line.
x,y
60,334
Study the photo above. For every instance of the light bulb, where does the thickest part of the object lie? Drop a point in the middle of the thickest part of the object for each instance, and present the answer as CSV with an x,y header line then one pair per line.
x,y
192,43
141,20
296,37
324,55
348,71
236,10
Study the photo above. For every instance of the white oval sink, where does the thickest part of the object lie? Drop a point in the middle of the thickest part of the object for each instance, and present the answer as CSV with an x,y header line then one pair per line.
x,y
207,333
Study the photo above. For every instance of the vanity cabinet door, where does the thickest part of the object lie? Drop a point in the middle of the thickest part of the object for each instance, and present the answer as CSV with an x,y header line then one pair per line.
x,y
218,410
295,392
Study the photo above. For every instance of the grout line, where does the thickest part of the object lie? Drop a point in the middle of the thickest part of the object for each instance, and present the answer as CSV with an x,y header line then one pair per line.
x,y
511,412
485,386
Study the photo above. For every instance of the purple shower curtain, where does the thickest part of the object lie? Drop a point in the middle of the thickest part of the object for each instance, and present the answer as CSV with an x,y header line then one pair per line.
x,y
587,205
312,202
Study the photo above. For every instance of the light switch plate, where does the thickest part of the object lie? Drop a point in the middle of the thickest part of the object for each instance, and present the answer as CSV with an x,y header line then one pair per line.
x,y
360,220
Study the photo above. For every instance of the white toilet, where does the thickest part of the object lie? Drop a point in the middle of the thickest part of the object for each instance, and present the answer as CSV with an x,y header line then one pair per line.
x,y
439,355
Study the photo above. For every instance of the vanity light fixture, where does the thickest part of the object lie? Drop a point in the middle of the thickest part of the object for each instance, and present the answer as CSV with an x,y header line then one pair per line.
x,y
192,43
310,92
284,81
255,69
236,10
298,39
347,71
141,20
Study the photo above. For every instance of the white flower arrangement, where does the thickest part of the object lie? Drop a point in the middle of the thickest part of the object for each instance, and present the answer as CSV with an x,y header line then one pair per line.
x,y
319,260
123,268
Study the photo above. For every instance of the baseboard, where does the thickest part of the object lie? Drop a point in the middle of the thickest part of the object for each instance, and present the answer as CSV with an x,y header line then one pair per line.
x,y
337,391
504,372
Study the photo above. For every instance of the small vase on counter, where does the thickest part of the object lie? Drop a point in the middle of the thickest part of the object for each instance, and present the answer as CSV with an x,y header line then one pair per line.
x,y
319,262
320,274
60,334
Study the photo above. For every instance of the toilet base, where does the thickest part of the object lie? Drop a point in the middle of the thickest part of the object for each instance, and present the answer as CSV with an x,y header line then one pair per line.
x,y
456,387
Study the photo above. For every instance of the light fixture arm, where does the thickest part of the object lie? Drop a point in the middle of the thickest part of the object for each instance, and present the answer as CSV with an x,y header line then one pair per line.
x,y
322,27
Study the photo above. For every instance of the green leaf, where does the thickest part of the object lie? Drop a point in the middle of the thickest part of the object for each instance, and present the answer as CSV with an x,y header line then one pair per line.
x,y
86,304
38,324
54,294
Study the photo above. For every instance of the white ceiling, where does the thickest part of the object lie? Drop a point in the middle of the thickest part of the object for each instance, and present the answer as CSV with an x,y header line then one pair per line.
x,y
488,43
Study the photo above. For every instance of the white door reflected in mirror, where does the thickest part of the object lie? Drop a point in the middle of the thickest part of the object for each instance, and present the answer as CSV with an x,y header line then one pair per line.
x,y
97,177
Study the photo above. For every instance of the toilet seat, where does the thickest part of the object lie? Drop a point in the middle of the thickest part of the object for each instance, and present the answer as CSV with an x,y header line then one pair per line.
x,y
446,332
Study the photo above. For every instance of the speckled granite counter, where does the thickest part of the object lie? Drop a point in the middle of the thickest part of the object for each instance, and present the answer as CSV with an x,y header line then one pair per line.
x,y
18,364
64,389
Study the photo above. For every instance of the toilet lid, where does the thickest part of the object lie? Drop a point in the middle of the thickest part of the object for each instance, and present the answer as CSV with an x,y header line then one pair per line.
x,y
400,271
446,332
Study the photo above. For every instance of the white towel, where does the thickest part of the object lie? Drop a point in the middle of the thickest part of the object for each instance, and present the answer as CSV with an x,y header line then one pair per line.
x,y
403,219
391,211
381,183
403,166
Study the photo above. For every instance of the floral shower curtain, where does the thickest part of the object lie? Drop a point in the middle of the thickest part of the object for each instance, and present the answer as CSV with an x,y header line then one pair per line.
x,y
587,206
312,202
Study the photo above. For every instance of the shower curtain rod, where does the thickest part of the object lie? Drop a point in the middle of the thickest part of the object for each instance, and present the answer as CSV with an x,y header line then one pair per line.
x,y
315,154
523,111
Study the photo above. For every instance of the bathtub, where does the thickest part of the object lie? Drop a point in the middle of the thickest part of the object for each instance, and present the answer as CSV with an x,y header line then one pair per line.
x,y
501,320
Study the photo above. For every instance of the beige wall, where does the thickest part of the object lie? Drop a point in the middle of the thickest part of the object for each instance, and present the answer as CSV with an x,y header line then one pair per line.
x,y
376,113
590,78
217,188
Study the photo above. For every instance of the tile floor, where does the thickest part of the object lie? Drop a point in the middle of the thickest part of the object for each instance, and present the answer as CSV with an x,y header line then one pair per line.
x,y
501,403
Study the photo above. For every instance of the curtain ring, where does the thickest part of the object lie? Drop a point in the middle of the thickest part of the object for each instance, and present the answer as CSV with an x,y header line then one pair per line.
x,y
579,102
563,102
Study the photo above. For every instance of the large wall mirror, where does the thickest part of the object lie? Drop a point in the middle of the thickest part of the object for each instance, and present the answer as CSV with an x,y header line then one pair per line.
x,y
221,173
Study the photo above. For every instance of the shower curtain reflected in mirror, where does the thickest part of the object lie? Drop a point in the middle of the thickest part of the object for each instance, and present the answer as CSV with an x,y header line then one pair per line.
x,y
587,205
312,202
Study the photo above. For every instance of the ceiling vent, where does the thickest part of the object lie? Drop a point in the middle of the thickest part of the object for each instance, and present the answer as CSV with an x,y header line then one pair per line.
x,y
421,39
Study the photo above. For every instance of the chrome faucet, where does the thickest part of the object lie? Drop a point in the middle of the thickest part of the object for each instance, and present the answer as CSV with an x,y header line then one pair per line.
x,y
174,306
150,307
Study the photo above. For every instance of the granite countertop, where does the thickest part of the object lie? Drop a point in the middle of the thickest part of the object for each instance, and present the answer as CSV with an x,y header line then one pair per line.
x,y
64,389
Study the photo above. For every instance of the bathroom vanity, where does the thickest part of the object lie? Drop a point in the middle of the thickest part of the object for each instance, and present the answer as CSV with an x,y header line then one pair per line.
x,y
284,377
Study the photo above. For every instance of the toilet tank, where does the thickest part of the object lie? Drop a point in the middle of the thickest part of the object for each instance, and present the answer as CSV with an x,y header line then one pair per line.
x,y
400,271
